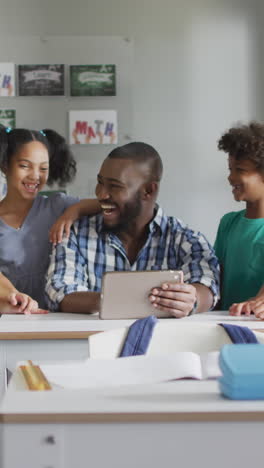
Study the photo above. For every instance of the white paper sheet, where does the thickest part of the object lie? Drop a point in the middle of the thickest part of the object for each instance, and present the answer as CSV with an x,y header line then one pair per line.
x,y
130,370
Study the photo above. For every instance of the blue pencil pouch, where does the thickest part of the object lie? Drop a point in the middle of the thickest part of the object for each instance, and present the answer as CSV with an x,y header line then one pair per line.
x,y
242,367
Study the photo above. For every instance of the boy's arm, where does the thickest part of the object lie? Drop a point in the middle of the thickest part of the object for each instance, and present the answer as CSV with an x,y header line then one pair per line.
x,y
254,304
61,228
13,301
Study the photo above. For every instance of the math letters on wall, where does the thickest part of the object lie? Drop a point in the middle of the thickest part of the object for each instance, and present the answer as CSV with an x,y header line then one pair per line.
x,y
7,79
93,127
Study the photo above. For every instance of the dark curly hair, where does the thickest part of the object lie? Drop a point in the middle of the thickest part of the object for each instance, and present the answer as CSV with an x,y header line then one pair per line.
x,y
245,142
62,165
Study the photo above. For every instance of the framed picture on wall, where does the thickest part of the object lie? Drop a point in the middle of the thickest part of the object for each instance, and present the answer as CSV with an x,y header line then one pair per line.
x,y
93,80
41,80
7,79
93,127
8,117
3,187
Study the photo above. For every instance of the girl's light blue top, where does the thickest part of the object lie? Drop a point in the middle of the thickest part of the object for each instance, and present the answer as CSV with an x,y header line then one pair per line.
x,y
24,252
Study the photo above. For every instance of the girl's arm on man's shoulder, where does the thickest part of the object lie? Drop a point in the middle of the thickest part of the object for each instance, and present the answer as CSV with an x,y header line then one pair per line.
x,y
61,228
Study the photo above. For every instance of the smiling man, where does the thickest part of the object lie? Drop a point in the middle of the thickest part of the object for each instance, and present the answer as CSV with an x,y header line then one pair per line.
x,y
132,233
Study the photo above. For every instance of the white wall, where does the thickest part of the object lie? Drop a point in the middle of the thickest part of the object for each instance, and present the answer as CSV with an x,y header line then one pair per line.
x,y
197,71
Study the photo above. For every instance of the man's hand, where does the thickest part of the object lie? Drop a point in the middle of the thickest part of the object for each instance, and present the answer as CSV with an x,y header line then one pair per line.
x,y
175,298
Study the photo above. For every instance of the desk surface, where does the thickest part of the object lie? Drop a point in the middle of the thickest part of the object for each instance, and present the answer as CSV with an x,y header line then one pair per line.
x,y
55,326
174,401
76,326
167,402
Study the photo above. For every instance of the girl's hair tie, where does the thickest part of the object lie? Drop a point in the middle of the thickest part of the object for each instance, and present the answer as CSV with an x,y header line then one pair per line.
x,y
42,133
8,129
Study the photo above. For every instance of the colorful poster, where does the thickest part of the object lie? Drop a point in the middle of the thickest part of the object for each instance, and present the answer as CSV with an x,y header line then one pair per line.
x,y
93,80
7,79
8,117
3,186
93,127
41,80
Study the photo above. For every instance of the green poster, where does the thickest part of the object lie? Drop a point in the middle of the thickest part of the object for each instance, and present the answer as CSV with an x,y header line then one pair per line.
x,y
8,117
93,80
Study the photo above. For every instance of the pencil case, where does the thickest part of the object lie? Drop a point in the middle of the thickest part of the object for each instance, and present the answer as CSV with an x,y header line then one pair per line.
x,y
242,367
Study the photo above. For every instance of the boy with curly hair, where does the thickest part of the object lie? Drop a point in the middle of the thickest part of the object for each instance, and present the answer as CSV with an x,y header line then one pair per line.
x,y
239,243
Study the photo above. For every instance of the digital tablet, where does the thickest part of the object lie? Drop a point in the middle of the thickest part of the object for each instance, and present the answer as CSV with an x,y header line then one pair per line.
x,y
125,294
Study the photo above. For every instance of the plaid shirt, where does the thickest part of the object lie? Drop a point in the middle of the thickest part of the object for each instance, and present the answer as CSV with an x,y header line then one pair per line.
x,y
78,263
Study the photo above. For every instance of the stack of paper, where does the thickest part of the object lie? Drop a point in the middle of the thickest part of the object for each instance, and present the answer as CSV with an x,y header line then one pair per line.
x,y
242,367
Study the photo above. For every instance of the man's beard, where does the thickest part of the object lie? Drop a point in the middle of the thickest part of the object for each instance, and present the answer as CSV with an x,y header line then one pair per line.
x,y
130,212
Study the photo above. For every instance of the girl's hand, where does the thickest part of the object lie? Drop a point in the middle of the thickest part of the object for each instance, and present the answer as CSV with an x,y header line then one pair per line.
x,y
20,303
23,303
61,228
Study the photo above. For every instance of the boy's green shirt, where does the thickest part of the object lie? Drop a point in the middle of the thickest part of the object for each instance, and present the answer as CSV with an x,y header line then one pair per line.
x,y
239,247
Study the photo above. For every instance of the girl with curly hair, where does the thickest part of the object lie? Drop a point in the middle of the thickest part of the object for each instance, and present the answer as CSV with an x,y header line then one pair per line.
x,y
239,243
29,160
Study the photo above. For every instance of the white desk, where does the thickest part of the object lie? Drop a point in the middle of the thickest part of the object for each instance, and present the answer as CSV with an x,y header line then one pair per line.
x,y
55,336
184,424
60,336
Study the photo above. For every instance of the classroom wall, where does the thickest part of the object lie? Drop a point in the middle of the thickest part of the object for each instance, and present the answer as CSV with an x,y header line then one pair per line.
x,y
197,70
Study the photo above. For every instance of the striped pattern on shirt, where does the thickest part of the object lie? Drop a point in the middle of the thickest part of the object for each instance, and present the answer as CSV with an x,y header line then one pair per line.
x,y
78,264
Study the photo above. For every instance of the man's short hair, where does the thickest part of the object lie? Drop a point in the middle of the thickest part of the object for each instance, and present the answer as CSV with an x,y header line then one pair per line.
x,y
141,153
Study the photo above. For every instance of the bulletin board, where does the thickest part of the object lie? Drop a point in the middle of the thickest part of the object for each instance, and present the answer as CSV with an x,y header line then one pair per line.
x,y
39,112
